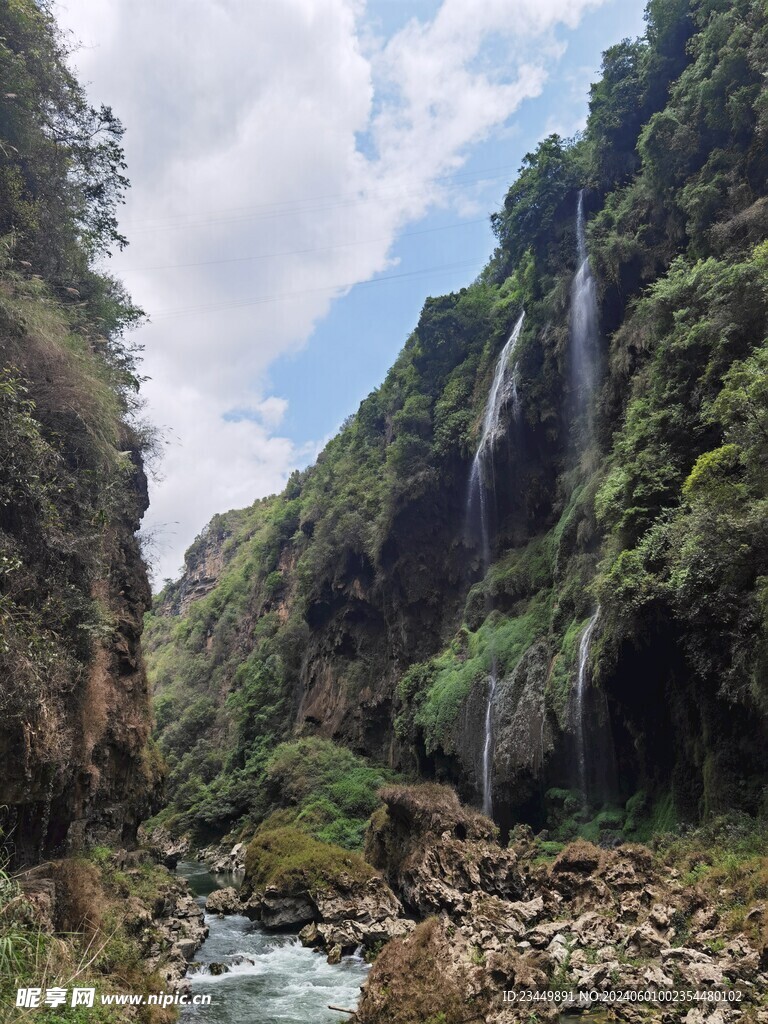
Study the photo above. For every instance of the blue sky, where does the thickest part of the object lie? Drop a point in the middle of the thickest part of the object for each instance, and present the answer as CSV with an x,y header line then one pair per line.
x,y
350,351
304,173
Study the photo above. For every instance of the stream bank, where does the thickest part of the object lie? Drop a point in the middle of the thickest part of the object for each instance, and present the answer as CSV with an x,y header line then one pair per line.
x,y
269,978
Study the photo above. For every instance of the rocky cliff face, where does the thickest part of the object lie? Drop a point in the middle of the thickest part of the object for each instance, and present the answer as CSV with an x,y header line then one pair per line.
x,y
613,602
75,762
74,737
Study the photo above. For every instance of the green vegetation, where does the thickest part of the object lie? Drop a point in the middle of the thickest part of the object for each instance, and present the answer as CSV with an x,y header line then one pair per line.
x,y
100,936
353,603
72,444
325,790
293,861
726,860
434,693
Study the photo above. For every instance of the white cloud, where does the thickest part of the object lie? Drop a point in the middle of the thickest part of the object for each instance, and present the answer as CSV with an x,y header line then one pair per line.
x,y
243,135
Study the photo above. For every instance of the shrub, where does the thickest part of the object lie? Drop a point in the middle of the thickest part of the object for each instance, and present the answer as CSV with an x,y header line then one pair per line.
x,y
292,861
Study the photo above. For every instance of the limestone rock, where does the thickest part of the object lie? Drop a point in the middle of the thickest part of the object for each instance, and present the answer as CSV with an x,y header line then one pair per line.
x,y
334,954
223,901
278,910
646,941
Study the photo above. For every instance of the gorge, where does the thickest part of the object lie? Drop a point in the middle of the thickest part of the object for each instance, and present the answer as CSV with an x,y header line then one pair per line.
x,y
379,600
482,691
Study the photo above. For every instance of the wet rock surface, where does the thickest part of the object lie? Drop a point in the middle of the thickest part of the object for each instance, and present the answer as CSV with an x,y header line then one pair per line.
x,y
347,913
224,901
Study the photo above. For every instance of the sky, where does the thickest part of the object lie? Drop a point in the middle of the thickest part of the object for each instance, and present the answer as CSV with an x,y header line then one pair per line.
x,y
304,173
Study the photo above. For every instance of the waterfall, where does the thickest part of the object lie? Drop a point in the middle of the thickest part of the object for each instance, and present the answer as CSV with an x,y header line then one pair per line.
x,y
503,388
481,482
488,747
583,362
582,683
584,318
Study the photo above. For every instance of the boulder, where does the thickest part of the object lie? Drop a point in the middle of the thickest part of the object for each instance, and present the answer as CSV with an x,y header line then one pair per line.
x,y
334,954
187,948
646,941
309,935
279,910
580,858
223,901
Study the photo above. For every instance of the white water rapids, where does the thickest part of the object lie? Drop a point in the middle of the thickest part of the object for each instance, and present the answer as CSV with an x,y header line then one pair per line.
x,y
271,978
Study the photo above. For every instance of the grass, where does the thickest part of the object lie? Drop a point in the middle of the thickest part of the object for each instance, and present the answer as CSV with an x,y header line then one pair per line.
x,y
95,942
293,861
726,859
409,984
501,640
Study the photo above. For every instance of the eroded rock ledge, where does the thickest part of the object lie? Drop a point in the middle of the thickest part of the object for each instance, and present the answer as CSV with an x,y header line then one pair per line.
x,y
338,901
454,919
499,919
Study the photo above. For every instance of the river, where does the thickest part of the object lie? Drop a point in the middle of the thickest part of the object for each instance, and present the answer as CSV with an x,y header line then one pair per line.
x,y
272,978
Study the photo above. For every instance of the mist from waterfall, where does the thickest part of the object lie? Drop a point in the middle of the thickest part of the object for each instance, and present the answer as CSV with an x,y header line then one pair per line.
x,y
584,320
503,392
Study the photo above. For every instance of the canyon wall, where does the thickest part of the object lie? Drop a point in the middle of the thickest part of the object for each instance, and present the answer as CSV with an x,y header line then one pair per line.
x,y
360,604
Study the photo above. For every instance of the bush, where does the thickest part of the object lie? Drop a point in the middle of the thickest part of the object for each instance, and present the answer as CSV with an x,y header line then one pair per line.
x,y
293,861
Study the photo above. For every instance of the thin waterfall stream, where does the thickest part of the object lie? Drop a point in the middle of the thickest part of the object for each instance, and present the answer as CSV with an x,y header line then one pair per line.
x,y
582,683
481,481
584,318
584,338
488,748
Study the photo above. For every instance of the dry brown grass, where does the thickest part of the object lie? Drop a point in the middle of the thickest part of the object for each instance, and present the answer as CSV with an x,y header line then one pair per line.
x,y
434,808
80,897
409,983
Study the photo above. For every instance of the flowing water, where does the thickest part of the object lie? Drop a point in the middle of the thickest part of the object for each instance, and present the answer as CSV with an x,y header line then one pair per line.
x,y
503,391
272,978
481,482
584,318
488,748
582,684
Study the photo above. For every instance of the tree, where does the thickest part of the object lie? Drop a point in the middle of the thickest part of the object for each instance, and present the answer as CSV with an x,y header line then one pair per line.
x,y
61,160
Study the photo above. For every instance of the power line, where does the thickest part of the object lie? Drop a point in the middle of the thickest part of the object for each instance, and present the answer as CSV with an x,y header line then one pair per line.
x,y
215,308
268,210
300,252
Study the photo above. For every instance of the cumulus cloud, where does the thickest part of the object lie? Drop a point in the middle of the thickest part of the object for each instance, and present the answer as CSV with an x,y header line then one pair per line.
x,y
276,149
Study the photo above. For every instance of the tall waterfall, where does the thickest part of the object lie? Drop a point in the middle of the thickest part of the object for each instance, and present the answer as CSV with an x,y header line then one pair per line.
x,y
481,484
481,478
592,741
582,683
584,319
